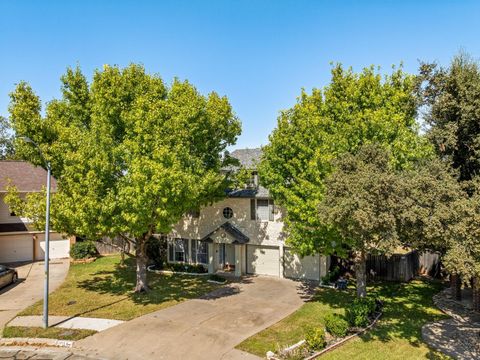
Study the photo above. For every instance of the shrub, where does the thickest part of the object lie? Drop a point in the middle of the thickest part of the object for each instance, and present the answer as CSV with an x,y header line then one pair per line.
x,y
336,325
83,250
358,313
217,278
315,338
189,268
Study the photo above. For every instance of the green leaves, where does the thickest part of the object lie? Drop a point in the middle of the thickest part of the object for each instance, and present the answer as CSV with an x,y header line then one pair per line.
x,y
6,139
131,155
353,110
450,96
363,200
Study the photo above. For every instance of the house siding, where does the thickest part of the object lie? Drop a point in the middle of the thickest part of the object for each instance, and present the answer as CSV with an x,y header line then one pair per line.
x,y
268,233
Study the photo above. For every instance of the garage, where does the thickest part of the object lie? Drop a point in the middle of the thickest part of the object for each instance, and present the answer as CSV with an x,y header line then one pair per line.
x,y
59,247
16,248
296,267
263,260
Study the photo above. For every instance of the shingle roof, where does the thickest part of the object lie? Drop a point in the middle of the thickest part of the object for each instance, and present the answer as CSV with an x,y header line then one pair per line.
x,y
232,230
25,176
260,192
13,227
249,158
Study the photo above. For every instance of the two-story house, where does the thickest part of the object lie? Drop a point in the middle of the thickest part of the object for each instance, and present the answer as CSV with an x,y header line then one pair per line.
x,y
242,233
19,241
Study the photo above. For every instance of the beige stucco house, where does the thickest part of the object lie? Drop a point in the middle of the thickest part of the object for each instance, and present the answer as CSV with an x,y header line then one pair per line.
x,y
243,233
19,240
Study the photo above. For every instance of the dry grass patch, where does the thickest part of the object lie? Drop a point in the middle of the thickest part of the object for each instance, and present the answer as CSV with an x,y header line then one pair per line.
x,y
52,333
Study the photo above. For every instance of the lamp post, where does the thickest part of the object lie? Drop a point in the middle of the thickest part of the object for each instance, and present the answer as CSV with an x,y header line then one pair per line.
x,y
47,233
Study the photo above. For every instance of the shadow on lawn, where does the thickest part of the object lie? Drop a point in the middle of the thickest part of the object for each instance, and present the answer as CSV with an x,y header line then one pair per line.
x,y
407,307
121,281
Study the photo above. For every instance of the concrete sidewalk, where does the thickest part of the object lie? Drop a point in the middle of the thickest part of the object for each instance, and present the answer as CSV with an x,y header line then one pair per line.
x,y
67,322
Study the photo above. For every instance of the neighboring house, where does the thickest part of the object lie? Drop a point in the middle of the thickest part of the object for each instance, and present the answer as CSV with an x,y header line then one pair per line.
x,y
242,233
19,241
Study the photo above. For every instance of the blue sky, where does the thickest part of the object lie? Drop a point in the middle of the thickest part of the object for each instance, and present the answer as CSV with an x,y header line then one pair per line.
x,y
258,53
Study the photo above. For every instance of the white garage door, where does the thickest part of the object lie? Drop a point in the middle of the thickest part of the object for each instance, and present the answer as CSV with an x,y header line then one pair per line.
x,y
59,247
16,248
296,267
263,260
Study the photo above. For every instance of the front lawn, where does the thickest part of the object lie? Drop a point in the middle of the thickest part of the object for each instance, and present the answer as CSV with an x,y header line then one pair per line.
x,y
103,289
396,336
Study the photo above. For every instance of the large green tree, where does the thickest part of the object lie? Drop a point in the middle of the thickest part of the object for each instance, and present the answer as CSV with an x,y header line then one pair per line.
x,y
452,102
376,209
363,200
130,154
451,98
353,110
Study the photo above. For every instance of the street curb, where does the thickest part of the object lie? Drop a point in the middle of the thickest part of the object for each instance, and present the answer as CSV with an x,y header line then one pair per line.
x,y
36,342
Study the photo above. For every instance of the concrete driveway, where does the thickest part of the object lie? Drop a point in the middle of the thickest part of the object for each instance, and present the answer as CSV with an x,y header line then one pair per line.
x,y
207,328
29,287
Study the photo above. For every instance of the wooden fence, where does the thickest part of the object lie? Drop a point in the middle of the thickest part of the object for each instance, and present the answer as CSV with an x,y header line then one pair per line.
x,y
107,246
401,267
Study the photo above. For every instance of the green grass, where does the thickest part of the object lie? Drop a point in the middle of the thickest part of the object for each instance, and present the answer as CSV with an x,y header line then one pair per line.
x,y
53,332
103,289
396,336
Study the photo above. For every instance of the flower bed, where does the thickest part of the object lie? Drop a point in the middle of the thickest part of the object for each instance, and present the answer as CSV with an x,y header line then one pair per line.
x,y
360,317
216,279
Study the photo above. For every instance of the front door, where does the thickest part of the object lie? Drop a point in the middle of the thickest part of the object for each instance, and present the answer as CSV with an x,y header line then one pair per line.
x,y
226,257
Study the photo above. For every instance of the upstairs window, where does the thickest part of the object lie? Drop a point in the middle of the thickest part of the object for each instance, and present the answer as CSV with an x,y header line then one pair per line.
x,y
227,213
262,209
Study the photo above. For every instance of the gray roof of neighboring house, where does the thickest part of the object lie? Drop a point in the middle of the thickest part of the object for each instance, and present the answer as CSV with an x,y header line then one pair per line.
x,y
12,227
249,158
25,176
232,230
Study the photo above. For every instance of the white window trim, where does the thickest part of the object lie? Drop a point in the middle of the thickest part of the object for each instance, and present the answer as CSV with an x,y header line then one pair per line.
x,y
256,210
195,261
186,257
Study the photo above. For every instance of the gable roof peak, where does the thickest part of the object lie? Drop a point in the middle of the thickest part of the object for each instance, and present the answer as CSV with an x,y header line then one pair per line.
x,y
248,158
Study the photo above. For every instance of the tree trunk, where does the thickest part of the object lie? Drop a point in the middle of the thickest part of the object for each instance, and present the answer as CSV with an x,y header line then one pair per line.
x,y
476,293
456,286
360,262
141,257
122,257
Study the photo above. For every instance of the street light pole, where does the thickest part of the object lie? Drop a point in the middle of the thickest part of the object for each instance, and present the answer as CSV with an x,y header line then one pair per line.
x,y
47,233
47,247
